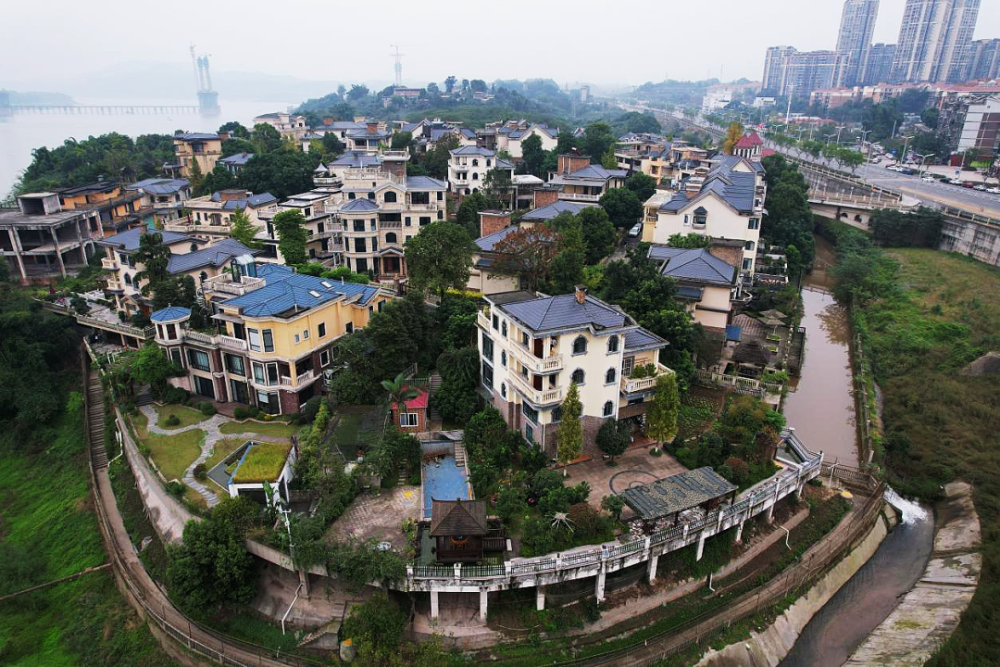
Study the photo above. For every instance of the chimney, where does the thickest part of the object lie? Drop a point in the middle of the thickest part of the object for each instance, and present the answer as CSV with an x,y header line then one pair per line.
x,y
581,294
728,251
372,127
543,196
568,163
493,221
327,120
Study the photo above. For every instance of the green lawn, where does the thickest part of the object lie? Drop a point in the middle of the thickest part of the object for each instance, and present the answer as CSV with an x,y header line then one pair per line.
x,y
186,415
171,453
48,530
275,429
221,450
263,463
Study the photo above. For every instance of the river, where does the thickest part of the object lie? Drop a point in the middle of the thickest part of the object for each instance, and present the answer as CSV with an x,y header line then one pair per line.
x,y
22,133
822,411
821,405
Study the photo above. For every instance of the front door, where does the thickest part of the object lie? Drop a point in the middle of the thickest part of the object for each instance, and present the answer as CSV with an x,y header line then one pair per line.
x,y
238,392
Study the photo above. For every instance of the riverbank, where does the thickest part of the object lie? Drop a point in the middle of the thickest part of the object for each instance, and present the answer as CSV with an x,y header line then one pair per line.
x,y
930,612
924,317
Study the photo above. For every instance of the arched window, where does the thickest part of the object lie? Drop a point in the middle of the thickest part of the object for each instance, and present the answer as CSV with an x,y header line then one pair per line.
x,y
613,344
578,376
488,164
749,245
390,237
610,376
700,216
609,409
503,358
475,162
503,328
475,176
580,345
390,197
203,276
128,279
503,389
194,247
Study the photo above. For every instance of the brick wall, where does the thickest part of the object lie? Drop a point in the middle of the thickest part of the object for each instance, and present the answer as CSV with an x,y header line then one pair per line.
x,y
493,221
289,401
544,197
730,253
569,163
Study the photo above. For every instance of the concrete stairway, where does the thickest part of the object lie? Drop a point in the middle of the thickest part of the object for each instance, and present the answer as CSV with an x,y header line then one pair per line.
x,y
95,417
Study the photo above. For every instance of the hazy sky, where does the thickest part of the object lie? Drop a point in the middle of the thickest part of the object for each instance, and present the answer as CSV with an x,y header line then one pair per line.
x,y
623,42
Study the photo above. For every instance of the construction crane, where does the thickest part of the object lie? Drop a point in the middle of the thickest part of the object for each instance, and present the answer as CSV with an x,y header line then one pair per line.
x,y
399,65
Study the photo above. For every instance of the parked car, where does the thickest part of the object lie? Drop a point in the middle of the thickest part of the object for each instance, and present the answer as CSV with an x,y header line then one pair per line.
x,y
635,231
980,187
955,181
993,191
929,179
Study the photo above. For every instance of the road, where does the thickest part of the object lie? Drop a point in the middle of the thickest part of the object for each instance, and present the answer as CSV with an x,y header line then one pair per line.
x,y
936,193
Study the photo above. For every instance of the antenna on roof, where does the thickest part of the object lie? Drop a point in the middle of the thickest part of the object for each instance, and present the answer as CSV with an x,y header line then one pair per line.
x,y
399,65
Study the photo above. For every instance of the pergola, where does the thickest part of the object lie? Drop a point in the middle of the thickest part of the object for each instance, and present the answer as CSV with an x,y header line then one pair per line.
x,y
668,497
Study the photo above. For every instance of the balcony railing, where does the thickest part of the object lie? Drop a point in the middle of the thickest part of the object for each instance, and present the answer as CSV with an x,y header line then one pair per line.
x,y
224,283
633,385
573,196
232,342
300,380
535,364
536,396
110,264
483,319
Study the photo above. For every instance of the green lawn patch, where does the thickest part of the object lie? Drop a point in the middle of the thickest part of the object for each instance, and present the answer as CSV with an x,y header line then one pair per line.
x,y
262,463
274,429
171,453
187,416
221,450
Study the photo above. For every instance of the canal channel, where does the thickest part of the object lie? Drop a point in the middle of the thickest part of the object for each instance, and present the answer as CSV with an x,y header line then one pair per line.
x,y
821,408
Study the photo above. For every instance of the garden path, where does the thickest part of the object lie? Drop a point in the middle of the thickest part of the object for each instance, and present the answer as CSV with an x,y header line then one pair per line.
x,y
213,434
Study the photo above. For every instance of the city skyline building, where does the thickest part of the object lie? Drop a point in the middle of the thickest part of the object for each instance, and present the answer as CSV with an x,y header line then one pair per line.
x,y
878,65
984,59
935,39
857,23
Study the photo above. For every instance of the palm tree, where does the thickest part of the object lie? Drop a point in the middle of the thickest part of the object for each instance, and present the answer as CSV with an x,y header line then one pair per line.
x,y
399,393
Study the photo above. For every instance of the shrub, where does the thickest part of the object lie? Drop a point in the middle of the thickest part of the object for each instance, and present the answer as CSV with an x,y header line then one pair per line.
x,y
200,473
376,629
175,395
207,408
511,504
309,410
240,413
173,420
614,505
176,489
740,471
545,480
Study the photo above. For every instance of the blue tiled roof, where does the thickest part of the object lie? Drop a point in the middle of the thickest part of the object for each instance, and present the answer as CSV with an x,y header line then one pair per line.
x,y
287,291
253,201
170,314
160,186
467,133
129,240
563,312
693,265
359,206
488,242
195,136
218,254
552,210
425,183
356,159
640,339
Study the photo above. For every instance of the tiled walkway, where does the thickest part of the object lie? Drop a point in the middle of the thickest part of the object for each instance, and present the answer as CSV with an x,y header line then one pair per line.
x,y
379,517
212,436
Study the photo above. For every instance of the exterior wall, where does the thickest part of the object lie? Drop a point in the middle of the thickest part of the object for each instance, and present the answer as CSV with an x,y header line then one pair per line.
x,y
486,283
206,159
467,172
544,197
721,222
706,312
421,420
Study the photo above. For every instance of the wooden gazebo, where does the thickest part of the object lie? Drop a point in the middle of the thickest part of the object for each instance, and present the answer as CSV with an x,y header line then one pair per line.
x,y
458,528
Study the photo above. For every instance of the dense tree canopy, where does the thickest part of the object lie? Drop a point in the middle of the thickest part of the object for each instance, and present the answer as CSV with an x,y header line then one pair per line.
x,y
439,257
292,236
789,219
282,173
623,207
597,139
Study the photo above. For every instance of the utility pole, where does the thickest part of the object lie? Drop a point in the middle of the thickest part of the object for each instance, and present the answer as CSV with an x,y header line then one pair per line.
x,y
906,142
868,150
840,128
922,158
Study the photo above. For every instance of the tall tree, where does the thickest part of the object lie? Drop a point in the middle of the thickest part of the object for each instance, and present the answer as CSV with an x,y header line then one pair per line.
x,y
282,173
597,139
235,129
219,178
241,229
570,430
195,176
598,233
154,257
439,257
468,213
265,138
661,416
526,253
642,185
608,160
498,189
733,134
566,269
623,207
612,438
292,236
533,155
449,84
399,392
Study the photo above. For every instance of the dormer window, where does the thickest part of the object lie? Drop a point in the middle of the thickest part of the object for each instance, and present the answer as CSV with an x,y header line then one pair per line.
x,y
390,197
700,216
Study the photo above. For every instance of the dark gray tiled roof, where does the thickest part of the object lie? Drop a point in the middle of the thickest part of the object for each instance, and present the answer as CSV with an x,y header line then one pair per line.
x,y
237,159
195,136
425,183
218,254
287,291
160,186
251,201
359,206
356,159
639,339
736,188
563,312
693,265
472,150
488,242
552,210
677,493
129,240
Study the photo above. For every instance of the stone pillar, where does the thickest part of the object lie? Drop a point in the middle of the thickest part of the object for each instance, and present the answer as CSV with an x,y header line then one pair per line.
x,y
599,589
739,533
15,244
798,490
652,567
701,545
770,513
540,598
79,239
55,242
483,599
304,580
434,605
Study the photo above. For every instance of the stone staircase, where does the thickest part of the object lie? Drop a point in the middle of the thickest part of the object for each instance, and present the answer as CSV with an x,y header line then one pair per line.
x,y
144,398
95,420
459,455
433,384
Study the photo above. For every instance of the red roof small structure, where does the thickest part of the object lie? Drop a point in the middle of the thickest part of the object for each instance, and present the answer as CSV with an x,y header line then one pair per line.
x,y
420,401
749,140
767,151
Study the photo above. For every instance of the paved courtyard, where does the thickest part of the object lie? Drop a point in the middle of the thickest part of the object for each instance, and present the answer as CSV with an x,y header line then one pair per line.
x,y
633,468
378,517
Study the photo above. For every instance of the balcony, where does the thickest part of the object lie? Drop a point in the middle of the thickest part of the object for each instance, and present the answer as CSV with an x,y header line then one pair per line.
x,y
224,283
110,264
540,397
300,380
573,196
548,364
483,319
634,385
232,342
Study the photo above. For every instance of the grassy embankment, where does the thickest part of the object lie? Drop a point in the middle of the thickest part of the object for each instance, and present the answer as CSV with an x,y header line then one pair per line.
x,y
48,530
938,313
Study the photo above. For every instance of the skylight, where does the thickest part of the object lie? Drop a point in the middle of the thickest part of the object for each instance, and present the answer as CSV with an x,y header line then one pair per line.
x,y
326,284
314,293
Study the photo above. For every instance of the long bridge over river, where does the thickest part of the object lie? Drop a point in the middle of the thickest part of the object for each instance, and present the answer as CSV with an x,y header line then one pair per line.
x,y
102,109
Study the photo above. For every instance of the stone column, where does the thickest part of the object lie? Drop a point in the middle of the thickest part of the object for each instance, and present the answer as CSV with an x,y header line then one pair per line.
x,y
540,598
434,605
304,580
599,589
483,599
55,242
739,533
701,545
799,488
652,567
15,244
79,239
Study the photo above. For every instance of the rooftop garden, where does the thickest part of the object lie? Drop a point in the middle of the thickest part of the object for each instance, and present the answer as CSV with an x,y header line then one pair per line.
x,y
262,463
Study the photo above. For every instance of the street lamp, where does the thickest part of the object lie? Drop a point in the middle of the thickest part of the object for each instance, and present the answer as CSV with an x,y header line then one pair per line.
x,y
868,153
906,142
922,158
839,129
